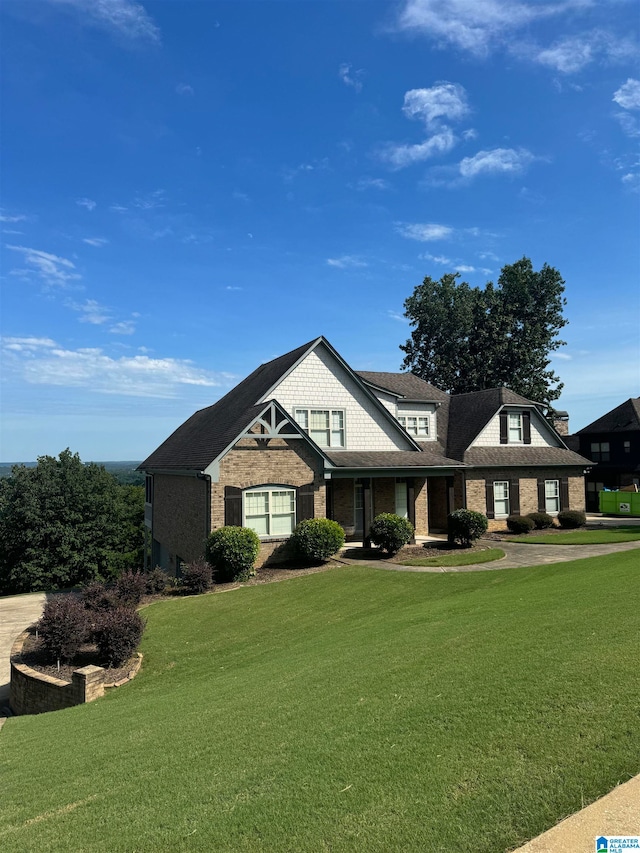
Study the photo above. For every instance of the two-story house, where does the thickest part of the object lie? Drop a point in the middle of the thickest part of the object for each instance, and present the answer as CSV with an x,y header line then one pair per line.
x,y
307,436
612,443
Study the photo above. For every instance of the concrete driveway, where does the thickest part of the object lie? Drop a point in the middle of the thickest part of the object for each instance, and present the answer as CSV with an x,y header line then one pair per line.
x,y
17,612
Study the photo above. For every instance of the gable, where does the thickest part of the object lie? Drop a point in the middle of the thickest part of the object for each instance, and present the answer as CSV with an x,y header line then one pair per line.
x,y
541,434
320,381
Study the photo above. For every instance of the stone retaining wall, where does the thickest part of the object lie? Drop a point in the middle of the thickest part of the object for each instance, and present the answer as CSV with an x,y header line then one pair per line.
x,y
33,692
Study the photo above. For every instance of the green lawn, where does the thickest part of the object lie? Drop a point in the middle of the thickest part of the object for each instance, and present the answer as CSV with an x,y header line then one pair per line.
x,y
582,537
351,710
459,558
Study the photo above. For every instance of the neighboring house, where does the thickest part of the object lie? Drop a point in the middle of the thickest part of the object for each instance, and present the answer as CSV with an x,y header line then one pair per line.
x,y
306,436
612,443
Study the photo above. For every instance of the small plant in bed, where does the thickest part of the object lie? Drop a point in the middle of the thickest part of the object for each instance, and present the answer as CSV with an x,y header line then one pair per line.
x,y
541,520
464,526
390,532
520,524
232,552
314,540
571,519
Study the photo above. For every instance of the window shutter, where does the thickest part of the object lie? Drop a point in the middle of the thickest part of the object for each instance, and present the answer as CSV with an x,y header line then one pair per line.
x,y
489,490
233,506
564,493
504,435
526,427
542,498
514,497
305,507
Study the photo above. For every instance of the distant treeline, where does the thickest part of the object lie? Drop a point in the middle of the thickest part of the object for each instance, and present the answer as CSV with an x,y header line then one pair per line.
x,y
124,472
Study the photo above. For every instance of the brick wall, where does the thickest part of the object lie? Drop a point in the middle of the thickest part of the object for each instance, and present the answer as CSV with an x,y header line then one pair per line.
x,y
344,505
180,516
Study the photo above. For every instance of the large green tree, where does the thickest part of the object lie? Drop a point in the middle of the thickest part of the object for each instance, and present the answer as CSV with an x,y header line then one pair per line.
x,y
63,523
470,338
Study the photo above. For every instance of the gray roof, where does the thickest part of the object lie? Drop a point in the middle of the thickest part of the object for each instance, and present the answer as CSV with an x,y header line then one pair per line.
x,y
624,418
470,413
523,456
390,459
207,433
404,385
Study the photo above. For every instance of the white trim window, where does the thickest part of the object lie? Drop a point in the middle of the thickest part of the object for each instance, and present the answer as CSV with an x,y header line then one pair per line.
x,y
270,510
501,498
415,425
515,428
552,495
324,426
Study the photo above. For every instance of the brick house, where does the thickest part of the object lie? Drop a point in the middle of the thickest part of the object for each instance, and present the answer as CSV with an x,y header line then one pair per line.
x,y
307,436
612,443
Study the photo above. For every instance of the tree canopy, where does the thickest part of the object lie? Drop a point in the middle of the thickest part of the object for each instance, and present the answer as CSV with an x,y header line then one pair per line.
x,y
471,338
63,523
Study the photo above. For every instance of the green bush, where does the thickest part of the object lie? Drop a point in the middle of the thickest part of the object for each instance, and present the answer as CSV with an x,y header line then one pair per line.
x,y
569,519
465,526
316,539
196,577
232,552
157,581
390,532
542,520
520,524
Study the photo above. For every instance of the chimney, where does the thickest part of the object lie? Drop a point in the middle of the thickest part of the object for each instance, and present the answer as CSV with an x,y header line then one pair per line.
x,y
560,421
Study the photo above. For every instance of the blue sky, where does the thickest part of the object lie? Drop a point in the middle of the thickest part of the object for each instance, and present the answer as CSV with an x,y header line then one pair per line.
x,y
192,188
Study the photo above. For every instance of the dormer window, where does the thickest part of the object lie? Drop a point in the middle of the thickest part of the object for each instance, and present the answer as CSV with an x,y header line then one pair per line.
x,y
416,426
515,427
324,426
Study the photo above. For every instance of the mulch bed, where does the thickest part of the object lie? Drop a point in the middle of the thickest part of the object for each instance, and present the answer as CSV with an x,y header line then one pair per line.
x,y
33,655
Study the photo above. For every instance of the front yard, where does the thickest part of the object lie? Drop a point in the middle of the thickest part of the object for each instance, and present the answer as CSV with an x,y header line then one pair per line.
x,y
349,710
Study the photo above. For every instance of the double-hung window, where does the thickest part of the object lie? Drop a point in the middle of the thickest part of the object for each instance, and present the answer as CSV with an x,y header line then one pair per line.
x,y
270,511
515,427
415,425
501,498
600,451
324,426
552,495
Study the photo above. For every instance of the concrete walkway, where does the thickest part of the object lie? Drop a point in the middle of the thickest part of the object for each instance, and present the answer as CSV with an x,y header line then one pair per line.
x,y
17,612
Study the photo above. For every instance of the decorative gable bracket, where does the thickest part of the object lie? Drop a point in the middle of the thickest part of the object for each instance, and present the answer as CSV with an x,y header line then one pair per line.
x,y
273,424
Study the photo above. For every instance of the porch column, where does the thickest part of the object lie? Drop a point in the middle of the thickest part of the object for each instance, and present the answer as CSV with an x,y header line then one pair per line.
x,y
411,505
366,511
451,498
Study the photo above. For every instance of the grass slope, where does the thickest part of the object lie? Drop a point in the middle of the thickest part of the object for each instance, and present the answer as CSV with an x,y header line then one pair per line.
x,y
351,710
461,558
582,537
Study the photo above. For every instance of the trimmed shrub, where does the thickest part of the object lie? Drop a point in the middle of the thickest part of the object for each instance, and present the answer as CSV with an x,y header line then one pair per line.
x,y
96,598
520,524
63,627
542,520
232,551
157,581
117,635
465,526
196,577
390,532
130,587
569,519
317,539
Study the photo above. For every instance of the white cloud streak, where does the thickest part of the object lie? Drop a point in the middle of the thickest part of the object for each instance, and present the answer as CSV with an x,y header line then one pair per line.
x,y
401,156
41,361
496,161
51,269
123,17
89,203
346,262
424,232
184,89
95,241
90,312
628,95
443,101
16,217
349,78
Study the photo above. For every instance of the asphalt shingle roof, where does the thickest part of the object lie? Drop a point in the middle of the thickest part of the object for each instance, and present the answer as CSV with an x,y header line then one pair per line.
x,y
389,459
404,385
624,418
523,456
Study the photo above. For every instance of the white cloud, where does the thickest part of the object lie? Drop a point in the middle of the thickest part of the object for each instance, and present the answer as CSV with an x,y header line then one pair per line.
x,y
184,89
629,124
628,95
346,262
16,217
95,241
400,156
437,259
443,101
89,203
125,17
118,208
349,78
41,361
52,269
424,232
464,268
125,327
471,133
400,318
372,184
568,55
90,311
150,201
496,161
